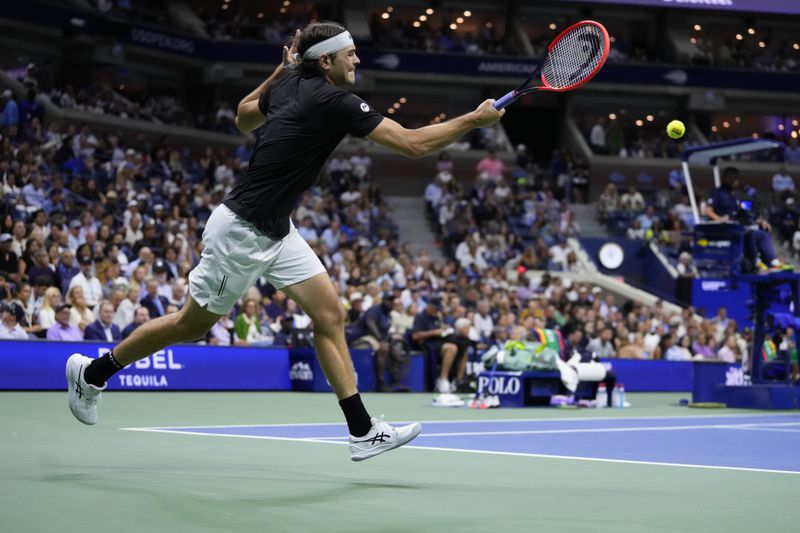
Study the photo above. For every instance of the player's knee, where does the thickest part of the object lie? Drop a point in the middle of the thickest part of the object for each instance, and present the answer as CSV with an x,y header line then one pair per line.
x,y
331,318
189,327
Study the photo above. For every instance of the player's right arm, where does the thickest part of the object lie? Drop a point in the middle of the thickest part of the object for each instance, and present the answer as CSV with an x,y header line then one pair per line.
x,y
249,115
423,141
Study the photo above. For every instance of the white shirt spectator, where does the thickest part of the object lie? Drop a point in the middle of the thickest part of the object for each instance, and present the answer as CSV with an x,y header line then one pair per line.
x,y
632,201
12,333
598,136
782,182
483,324
558,255
92,290
33,196
124,313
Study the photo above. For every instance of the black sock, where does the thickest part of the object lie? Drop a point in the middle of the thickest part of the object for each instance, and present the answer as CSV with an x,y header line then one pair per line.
x,y
358,421
101,369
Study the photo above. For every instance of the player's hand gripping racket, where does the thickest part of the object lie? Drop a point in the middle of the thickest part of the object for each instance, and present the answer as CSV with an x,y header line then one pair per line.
x,y
572,59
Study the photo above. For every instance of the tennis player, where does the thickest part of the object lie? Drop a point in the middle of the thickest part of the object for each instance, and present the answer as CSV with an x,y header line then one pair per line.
x,y
302,112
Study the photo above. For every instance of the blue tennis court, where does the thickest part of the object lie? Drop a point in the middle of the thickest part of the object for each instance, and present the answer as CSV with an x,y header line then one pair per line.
x,y
742,442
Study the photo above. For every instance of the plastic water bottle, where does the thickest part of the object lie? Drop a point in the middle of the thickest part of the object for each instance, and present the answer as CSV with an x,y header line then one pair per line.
x,y
602,396
618,396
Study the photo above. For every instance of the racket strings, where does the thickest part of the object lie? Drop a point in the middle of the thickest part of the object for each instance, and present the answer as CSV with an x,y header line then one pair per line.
x,y
574,57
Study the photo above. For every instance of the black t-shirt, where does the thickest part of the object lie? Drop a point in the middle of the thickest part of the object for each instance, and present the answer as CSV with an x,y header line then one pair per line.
x,y
306,121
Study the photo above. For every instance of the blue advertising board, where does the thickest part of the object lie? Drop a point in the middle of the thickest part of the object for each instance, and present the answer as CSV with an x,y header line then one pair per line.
x,y
35,365
305,372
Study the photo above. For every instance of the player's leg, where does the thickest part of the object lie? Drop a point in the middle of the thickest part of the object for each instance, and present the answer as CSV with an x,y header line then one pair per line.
x,y
368,436
188,324
318,299
86,377
231,262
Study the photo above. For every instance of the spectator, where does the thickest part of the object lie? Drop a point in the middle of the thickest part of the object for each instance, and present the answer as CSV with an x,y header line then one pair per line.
x,y
9,261
80,314
632,200
127,307
63,329
47,314
248,325
491,167
103,329
284,335
67,269
372,329
88,282
154,302
791,154
221,333
603,346
9,120
782,184
729,351
686,267
10,327
140,315
597,137
454,355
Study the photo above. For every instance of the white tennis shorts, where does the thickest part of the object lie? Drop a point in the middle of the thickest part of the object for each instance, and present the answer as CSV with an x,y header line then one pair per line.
x,y
236,254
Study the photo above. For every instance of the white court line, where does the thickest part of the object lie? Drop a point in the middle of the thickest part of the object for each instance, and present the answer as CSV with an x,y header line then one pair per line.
x,y
485,452
472,421
768,429
594,430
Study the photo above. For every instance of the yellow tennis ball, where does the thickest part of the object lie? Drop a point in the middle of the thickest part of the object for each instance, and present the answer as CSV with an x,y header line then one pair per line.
x,y
676,129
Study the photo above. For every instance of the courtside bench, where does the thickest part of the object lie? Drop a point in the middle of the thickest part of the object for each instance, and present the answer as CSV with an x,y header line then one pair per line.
x,y
524,388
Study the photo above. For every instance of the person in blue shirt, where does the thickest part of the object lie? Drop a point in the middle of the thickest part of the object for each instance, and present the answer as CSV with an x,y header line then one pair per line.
x,y
723,206
10,116
372,328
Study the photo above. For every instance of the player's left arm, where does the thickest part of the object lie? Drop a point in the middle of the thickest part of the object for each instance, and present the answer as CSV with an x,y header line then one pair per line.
x,y
249,115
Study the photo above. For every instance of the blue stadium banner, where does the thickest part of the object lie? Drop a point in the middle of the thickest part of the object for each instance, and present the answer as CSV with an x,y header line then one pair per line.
x,y
37,365
306,373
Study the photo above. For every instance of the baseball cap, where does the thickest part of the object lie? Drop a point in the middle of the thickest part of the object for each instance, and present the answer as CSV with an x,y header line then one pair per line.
x,y
61,307
85,260
5,237
7,93
356,296
159,266
75,224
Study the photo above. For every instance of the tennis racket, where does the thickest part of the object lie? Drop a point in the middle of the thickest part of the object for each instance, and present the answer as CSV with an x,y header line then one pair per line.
x,y
572,59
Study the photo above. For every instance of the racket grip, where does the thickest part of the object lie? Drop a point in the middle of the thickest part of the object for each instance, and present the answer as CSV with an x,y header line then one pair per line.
x,y
505,100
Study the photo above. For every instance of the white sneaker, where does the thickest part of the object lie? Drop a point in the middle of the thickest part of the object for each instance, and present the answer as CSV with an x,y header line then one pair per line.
x,y
382,437
82,396
443,386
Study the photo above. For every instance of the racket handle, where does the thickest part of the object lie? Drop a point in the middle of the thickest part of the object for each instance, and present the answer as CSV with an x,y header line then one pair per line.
x,y
505,100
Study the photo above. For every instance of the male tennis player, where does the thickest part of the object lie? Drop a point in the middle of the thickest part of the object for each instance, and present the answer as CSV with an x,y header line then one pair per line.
x,y
302,112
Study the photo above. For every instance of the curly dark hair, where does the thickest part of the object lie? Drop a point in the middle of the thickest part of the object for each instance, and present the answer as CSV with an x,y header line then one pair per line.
x,y
316,33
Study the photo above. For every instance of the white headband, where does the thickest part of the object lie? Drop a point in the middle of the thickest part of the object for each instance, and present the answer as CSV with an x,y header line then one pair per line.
x,y
340,41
